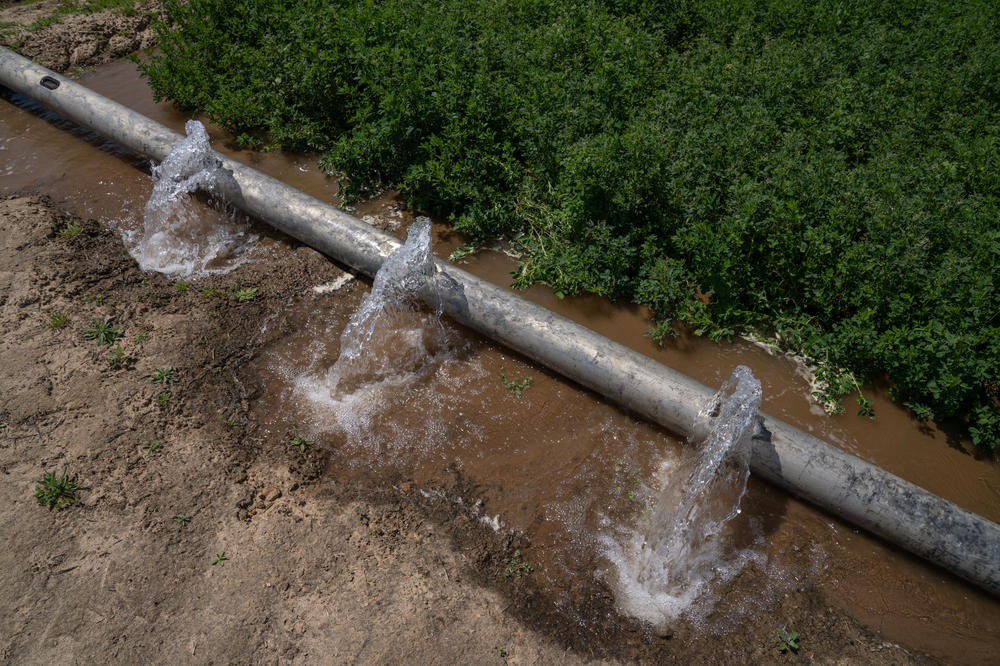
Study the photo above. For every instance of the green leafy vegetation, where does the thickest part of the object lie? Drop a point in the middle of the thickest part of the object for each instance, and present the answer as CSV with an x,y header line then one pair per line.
x,y
826,175
119,359
182,519
57,320
220,558
59,491
164,399
516,387
244,294
151,448
103,332
164,375
788,641
71,230
301,443
515,567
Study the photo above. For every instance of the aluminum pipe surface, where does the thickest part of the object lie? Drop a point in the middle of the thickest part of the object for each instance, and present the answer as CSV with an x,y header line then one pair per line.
x,y
922,523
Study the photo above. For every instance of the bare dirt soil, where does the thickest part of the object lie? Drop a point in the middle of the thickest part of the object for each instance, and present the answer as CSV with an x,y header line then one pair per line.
x,y
320,567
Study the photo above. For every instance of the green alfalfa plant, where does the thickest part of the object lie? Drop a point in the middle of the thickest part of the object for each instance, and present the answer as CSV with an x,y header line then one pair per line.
x,y
843,224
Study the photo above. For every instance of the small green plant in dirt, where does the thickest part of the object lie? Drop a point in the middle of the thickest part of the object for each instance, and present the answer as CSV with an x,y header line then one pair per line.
x,y
182,519
57,320
501,652
208,291
142,337
151,448
296,439
515,567
244,294
181,286
301,443
231,422
788,641
71,230
103,332
164,375
59,491
516,387
220,558
119,359
164,399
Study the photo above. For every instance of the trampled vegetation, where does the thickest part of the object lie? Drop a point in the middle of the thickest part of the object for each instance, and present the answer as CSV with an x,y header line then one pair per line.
x,y
827,173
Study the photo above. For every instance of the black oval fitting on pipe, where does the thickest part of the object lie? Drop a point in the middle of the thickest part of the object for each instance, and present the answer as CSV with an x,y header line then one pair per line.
x,y
860,493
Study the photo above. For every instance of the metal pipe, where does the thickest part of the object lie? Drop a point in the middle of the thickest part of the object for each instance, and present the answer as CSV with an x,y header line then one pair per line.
x,y
860,493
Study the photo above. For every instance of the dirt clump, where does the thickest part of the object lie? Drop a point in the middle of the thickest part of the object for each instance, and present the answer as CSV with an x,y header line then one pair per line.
x,y
71,41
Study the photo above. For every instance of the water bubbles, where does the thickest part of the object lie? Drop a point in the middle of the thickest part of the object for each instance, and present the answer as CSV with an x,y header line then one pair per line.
x,y
394,385
678,552
180,236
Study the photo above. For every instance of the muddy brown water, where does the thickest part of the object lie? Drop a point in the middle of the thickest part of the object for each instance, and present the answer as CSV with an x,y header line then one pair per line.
x,y
558,462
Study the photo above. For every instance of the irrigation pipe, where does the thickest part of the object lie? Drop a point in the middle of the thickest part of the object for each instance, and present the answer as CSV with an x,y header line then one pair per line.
x,y
896,510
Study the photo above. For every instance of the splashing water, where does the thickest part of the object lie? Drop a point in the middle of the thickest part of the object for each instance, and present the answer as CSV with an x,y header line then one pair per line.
x,y
180,237
395,354
680,552
390,335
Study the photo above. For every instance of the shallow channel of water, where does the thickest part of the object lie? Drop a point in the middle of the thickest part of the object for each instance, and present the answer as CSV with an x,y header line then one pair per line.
x,y
558,462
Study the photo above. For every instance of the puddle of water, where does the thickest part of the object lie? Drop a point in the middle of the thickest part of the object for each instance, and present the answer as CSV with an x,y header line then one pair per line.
x,y
557,462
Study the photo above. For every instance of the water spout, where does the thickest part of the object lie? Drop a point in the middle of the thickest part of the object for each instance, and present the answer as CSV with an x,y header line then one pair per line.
x,y
678,553
390,334
179,237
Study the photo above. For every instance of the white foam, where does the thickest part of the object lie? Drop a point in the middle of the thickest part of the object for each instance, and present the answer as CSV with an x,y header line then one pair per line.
x,y
334,285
